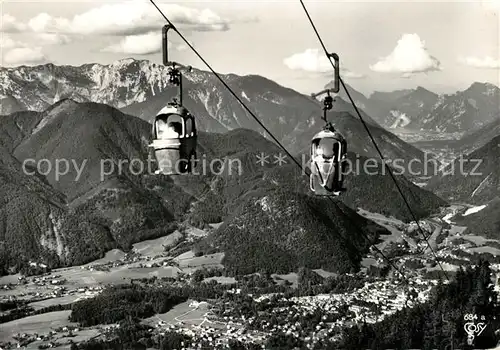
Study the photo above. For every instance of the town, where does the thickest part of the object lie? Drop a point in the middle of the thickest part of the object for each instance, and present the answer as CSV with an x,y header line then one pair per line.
x,y
311,306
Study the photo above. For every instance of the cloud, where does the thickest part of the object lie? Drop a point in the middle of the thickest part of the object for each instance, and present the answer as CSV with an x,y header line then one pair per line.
x,y
486,62
24,56
9,24
315,61
53,38
129,18
143,44
6,42
37,24
43,22
409,56
311,60
18,53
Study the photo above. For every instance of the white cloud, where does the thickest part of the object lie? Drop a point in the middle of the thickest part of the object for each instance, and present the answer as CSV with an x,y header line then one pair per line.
x,y
18,53
24,56
484,62
129,18
143,44
315,61
409,56
311,60
37,24
6,42
43,22
53,38
9,24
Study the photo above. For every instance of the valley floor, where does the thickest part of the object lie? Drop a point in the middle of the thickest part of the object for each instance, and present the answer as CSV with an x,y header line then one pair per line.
x,y
371,301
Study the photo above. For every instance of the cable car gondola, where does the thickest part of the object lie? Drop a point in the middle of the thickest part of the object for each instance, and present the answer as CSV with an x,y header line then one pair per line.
x,y
174,129
328,150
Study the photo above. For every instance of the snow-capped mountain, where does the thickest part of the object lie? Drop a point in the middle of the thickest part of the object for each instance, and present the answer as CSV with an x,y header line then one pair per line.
x,y
118,84
141,88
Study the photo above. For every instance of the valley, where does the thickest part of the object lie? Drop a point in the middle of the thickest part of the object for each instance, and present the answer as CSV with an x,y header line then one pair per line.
x,y
247,259
150,262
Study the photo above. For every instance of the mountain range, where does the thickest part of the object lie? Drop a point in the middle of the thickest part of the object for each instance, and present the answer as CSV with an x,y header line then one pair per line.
x,y
77,217
96,113
424,110
140,88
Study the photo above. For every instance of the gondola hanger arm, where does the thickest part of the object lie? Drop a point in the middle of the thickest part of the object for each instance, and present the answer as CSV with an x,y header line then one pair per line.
x,y
166,60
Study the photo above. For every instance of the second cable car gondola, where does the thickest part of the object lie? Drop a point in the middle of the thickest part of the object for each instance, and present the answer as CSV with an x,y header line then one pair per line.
x,y
328,149
174,140
174,128
328,162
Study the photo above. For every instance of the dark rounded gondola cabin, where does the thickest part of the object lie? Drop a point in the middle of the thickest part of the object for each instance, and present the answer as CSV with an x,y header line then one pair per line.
x,y
328,152
174,140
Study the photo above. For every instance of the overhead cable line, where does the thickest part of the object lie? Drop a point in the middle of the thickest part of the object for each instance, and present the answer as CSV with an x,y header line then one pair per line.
x,y
372,138
304,171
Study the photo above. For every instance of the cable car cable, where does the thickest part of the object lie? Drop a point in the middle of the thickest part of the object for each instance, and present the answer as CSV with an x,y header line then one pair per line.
x,y
306,171
373,140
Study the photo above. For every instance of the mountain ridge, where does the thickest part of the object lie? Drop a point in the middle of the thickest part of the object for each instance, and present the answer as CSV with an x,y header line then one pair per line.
x,y
473,178
290,116
422,109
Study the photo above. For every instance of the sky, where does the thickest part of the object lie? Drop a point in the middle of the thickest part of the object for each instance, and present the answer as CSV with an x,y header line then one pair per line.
x,y
443,46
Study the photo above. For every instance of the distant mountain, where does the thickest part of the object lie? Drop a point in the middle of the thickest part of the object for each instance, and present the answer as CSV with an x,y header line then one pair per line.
x,y
477,182
91,214
389,97
464,110
406,110
376,109
421,109
141,88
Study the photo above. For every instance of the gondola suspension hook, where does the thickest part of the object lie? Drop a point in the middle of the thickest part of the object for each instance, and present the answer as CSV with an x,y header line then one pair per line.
x,y
328,100
174,74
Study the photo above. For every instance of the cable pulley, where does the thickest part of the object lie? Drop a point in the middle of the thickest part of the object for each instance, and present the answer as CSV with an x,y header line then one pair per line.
x,y
328,102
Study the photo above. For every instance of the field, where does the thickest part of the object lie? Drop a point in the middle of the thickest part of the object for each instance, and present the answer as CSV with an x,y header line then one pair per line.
x,y
155,247
151,255
189,313
68,299
486,249
40,324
